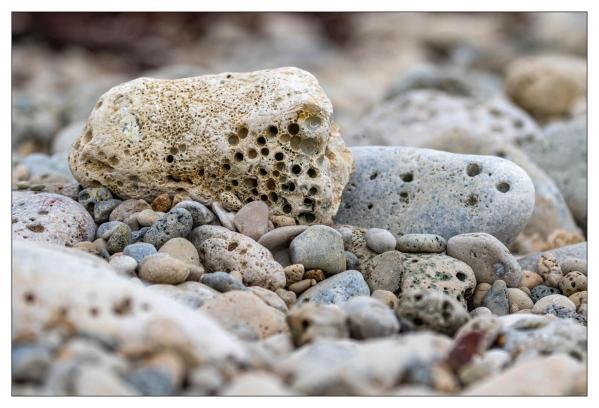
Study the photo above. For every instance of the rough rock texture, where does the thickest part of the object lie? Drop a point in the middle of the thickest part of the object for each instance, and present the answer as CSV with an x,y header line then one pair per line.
x,y
547,86
562,154
224,250
411,190
261,135
425,115
336,289
105,305
50,218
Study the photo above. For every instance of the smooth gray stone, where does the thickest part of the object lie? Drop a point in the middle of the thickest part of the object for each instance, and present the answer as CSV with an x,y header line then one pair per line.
x,y
410,190
579,251
563,155
319,247
496,299
336,289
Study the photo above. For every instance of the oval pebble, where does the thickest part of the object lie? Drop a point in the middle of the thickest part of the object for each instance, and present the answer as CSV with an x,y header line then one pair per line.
x,y
421,243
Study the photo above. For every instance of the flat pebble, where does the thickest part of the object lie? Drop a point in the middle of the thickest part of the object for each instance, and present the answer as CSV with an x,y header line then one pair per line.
x,y
553,300
421,243
487,256
252,220
380,240
319,247
139,250
162,268
530,279
518,300
336,289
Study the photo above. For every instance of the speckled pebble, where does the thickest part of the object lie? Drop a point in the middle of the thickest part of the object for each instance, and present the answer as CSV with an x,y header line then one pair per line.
x,y
421,243
161,203
176,223
573,282
120,237
548,267
139,250
530,279
540,291
103,209
553,300
380,240
294,273
351,261
200,214
89,197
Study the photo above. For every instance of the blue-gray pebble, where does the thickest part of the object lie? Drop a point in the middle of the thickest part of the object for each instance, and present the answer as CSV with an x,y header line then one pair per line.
x,y
336,289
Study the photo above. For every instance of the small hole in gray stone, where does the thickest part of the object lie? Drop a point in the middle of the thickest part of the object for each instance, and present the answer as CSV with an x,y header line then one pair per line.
x,y
473,169
503,187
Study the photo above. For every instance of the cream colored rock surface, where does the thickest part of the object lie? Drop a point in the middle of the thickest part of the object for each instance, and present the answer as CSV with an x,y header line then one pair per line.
x,y
223,250
53,285
553,375
260,135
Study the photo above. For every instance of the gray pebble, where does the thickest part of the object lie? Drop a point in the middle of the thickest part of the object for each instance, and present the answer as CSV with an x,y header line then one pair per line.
x,y
106,229
139,250
224,217
392,189
281,237
152,381
319,247
540,291
351,261
176,223
487,256
139,234
29,362
576,251
496,299
222,281
89,197
103,209
200,214
336,289
421,243
380,240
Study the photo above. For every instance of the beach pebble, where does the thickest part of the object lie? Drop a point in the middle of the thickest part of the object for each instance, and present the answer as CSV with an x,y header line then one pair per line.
x,y
542,304
281,237
575,254
312,321
257,383
479,294
181,249
319,247
380,240
530,279
162,203
224,250
487,256
287,296
573,282
294,273
125,265
301,286
139,251
200,214
540,291
392,189
89,197
419,243
51,218
336,289
147,217
548,267
496,299
438,272
518,300
162,268
351,261
368,317
30,362
103,209
244,309
120,237
222,281
270,298
127,208
384,271
315,274
385,296
486,365
427,309
252,220
176,223
480,311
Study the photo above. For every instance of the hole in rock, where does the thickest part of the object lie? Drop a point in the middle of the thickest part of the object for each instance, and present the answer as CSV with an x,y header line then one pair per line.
x,y
307,217
374,175
503,187
233,140
238,156
312,172
273,130
472,200
279,156
473,169
170,158
232,246
242,132
287,208
461,276
407,177
261,140
293,128
252,153
264,151
29,297
296,169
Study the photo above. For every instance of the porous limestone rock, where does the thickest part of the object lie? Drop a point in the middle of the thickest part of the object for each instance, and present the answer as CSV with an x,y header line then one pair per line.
x,y
411,190
261,135
223,250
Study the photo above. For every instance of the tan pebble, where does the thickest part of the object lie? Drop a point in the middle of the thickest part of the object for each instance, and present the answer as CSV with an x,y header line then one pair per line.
x,y
230,201
170,361
236,275
161,203
548,267
282,221
578,298
163,268
525,290
181,249
195,273
179,197
518,300
316,274
479,293
22,185
294,273
573,282
100,244
301,286
87,247
132,222
288,296
311,321
386,297
530,279
147,217
269,297
20,172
